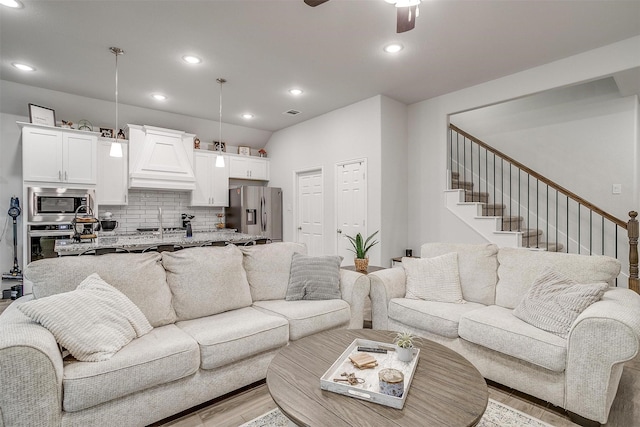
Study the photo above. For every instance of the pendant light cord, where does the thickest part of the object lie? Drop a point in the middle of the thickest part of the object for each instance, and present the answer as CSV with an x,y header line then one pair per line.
x,y
221,81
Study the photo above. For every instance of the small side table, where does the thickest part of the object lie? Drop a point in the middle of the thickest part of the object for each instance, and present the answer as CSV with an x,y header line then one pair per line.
x,y
398,260
367,303
370,269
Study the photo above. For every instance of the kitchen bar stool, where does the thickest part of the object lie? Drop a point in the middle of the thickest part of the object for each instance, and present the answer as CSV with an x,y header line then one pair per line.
x,y
102,251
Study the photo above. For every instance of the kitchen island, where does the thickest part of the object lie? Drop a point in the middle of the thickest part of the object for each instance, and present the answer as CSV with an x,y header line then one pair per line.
x,y
138,242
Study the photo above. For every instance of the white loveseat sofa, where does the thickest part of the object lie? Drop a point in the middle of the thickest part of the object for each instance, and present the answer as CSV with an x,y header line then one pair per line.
x,y
580,373
219,315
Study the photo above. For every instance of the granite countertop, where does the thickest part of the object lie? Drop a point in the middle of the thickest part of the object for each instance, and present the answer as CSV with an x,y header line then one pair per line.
x,y
141,241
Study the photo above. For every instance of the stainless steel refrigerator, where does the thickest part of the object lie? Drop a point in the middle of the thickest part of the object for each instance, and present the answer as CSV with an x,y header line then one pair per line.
x,y
256,210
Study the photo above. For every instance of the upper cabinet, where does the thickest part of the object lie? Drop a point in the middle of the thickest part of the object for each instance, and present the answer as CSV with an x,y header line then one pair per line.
x,y
112,174
248,167
160,158
56,155
212,183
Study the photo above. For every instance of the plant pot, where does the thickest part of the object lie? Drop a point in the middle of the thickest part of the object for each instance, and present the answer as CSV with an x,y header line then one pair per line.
x,y
404,354
361,264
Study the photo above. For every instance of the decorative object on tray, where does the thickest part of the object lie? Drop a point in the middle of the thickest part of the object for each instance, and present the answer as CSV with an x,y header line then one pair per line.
x,y
363,361
39,115
360,248
391,382
404,341
219,146
365,383
262,152
196,143
106,133
244,151
85,124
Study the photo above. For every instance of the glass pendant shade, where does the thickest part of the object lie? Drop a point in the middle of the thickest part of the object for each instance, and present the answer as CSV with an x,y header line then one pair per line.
x,y
219,161
116,149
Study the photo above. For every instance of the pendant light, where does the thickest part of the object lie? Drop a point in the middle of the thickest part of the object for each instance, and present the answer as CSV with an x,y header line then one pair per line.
x,y
116,147
220,157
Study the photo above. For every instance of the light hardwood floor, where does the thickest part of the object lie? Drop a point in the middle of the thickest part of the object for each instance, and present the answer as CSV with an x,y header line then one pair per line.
x,y
234,410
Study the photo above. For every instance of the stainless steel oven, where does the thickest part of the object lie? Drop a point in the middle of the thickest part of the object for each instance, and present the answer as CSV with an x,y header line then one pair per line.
x,y
41,239
57,204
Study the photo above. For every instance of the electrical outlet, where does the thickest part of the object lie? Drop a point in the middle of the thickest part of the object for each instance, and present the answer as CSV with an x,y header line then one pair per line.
x,y
616,189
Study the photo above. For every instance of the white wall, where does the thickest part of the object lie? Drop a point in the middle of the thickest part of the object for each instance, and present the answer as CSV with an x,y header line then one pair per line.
x,y
582,137
429,220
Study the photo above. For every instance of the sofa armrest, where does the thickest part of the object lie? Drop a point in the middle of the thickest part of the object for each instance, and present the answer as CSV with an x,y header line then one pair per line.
x,y
602,338
354,288
385,284
30,371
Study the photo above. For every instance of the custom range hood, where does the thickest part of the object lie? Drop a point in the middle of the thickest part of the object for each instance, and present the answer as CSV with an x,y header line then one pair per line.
x,y
160,158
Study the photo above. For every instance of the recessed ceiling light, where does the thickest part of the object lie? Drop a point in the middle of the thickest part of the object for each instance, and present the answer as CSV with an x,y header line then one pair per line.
x,y
393,48
190,59
159,97
23,67
11,3
247,116
295,92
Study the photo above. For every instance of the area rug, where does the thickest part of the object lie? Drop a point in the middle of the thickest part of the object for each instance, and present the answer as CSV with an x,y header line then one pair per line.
x,y
496,415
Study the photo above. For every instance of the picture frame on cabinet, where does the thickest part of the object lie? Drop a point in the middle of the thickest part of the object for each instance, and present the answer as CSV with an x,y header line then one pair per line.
x,y
219,146
244,151
107,133
40,115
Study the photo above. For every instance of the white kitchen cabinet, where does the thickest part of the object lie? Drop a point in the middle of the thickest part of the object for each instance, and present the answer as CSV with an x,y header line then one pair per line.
x,y
112,187
247,167
212,183
160,158
56,155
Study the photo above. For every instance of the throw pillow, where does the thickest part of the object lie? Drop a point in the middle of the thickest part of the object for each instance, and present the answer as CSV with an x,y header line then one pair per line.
x,y
93,322
433,279
314,278
554,302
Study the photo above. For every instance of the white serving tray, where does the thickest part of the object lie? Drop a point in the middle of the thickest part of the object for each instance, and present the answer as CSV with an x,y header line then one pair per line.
x,y
370,389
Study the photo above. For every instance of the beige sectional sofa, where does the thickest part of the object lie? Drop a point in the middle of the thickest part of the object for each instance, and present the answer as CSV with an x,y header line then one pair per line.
x,y
219,315
580,373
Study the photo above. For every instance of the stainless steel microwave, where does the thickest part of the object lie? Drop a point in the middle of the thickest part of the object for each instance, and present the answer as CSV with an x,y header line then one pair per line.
x,y
58,204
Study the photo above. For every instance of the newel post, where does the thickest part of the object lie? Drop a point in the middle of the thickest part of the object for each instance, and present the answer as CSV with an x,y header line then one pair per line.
x,y
632,231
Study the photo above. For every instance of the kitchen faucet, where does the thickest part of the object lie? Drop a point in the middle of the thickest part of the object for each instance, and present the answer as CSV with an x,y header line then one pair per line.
x,y
160,219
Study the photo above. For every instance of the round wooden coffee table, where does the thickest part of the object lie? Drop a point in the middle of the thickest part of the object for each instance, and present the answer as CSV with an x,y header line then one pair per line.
x,y
447,390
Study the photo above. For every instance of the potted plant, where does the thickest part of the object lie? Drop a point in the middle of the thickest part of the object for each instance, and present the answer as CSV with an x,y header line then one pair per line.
x,y
360,248
404,346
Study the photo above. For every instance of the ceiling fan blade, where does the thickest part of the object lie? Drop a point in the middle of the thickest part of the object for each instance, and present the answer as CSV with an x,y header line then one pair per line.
x,y
406,18
314,3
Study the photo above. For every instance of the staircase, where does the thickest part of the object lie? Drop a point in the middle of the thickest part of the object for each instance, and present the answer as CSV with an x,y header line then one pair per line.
x,y
492,220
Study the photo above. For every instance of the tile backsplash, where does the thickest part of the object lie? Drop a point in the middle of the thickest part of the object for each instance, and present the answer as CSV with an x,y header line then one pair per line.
x,y
142,211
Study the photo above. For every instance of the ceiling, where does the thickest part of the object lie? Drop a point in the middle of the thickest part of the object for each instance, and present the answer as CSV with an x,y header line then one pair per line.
x,y
265,47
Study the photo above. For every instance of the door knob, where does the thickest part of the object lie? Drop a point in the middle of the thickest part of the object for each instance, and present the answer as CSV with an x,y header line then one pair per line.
x,y
339,231
299,228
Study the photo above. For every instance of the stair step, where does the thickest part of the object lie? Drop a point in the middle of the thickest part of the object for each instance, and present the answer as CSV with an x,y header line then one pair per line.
x,y
455,175
552,247
476,196
493,209
511,223
462,185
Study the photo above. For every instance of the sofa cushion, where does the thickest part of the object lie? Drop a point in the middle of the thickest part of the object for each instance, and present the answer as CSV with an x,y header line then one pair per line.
x,y
206,281
163,355
496,328
519,268
440,318
308,317
93,322
235,335
433,279
314,277
554,302
268,268
477,267
140,277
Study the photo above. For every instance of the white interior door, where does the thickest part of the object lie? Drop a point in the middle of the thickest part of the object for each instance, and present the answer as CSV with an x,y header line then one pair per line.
x,y
310,211
351,205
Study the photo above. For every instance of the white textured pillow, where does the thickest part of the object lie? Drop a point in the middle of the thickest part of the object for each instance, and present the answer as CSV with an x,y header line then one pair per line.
x,y
93,322
433,279
554,302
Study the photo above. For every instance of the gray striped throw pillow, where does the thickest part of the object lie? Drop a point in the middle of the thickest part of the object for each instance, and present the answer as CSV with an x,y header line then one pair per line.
x,y
314,278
